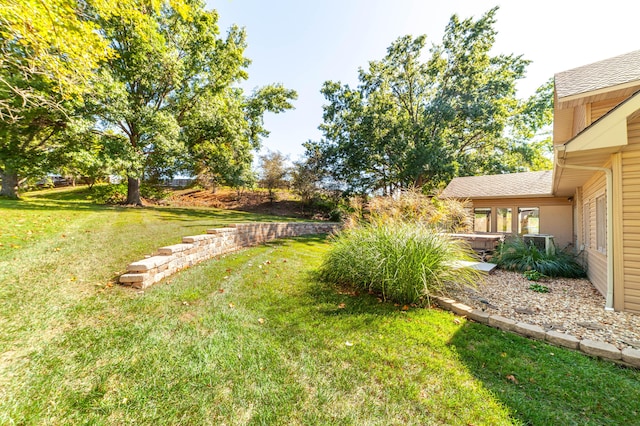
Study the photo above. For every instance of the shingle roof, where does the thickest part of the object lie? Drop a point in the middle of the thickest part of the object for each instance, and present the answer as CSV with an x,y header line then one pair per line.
x,y
599,75
527,184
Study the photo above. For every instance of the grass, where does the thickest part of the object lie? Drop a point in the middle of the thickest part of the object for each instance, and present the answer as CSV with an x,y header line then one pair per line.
x,y
252,338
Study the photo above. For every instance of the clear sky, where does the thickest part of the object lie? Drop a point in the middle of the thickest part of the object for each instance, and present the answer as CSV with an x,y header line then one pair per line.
x,y
302,43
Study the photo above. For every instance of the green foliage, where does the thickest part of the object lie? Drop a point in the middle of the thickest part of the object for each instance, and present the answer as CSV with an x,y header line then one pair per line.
x,y
539,288
117,193
403,262
173,91
417,119
533,275
274,172
515,255
163,85
305,179
109,194
49,53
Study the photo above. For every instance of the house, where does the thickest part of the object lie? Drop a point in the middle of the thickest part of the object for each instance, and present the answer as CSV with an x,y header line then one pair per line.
x,y
591,198
518,203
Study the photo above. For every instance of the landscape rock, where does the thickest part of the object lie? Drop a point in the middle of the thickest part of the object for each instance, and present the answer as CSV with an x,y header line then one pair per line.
x,y
600,349
631,356
562,339
529,330
479,316
502,323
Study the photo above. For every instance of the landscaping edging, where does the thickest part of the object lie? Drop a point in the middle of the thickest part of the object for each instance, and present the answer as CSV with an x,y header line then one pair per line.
x,y
629,357
197,248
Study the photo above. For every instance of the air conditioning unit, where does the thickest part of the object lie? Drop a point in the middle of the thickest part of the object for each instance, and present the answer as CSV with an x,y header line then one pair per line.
x,y
541,242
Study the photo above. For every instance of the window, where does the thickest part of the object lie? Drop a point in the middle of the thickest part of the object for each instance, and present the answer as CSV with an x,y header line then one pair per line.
x,y
601,224
528,220
482,219
503,220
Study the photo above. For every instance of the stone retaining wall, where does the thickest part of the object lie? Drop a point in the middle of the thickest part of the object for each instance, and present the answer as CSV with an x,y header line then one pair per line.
x,y
628,356
197,248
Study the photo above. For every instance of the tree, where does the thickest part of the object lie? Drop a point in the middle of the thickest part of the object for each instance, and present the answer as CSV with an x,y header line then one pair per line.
x,y
171,91
49,52
224,130
274,172
417,123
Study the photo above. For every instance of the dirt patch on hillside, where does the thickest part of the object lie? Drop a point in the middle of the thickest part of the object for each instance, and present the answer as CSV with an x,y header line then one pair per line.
x,y
285,203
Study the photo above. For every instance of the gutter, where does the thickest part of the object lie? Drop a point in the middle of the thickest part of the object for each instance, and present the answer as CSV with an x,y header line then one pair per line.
x,y
609,175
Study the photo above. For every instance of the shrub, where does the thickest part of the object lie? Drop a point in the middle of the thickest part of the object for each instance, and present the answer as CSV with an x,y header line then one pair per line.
x,y
110,194
515,255
153,192
117,193
404,262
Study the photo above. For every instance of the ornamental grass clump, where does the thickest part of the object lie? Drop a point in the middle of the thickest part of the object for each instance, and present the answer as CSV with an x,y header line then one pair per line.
x,y
403,262
411,206
516,255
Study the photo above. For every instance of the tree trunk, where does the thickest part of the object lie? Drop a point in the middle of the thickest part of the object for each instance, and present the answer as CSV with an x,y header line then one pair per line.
x,y
133,192
9,183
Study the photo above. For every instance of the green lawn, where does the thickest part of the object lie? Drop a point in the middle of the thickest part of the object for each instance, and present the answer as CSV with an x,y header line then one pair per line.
x,y
252,338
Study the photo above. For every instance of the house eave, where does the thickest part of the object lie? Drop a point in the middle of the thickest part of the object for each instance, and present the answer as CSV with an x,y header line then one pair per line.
x,y
502,197
592,147
575,99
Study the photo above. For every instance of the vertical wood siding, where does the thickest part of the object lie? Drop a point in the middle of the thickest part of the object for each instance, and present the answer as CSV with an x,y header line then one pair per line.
x,y
580,116
600,108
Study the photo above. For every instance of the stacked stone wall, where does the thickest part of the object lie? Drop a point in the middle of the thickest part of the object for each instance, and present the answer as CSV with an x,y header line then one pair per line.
x,y
197,248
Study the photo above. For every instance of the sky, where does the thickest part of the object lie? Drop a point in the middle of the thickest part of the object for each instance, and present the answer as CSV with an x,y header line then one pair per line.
x,y
303,43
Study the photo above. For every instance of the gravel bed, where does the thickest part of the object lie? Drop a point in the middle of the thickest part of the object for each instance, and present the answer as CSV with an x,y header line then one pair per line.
x,y
573,306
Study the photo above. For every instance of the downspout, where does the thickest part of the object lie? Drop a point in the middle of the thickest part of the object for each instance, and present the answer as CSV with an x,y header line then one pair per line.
x,y
609,175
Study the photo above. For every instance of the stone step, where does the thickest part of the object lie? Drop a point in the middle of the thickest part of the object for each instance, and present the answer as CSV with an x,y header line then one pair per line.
x,y
149,263
174,249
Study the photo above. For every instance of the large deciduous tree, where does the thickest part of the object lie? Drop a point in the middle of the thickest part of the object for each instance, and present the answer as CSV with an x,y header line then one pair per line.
x,y
48,53
416,122
170,89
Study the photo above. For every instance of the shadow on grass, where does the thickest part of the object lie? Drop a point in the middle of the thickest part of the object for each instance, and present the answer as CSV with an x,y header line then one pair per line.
x,y
538,383
75,200
344,300
543,384
79,199
186,214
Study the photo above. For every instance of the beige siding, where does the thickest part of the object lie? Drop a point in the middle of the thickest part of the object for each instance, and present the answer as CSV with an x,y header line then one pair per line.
x,y
597,261
557,221
631,218
600,108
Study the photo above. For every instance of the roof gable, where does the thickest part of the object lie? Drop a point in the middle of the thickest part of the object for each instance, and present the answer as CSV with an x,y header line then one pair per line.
x,y
522,185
